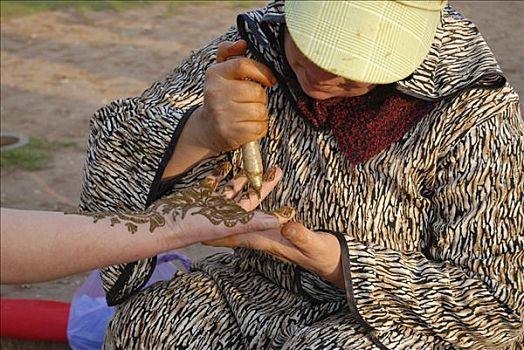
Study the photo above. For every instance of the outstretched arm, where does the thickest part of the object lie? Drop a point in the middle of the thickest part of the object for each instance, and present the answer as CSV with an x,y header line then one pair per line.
x,y
42,245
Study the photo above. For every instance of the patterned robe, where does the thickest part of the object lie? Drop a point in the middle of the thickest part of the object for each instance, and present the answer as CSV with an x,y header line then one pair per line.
x,y
432,226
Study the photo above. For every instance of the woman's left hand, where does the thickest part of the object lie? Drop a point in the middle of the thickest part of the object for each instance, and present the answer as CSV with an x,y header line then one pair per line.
x,y
318,252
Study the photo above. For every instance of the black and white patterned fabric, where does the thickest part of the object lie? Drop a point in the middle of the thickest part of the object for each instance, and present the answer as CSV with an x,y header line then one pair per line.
x,y
432,227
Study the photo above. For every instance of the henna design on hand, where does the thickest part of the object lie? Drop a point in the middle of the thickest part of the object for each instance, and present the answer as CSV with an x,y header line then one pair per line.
x,y
217,209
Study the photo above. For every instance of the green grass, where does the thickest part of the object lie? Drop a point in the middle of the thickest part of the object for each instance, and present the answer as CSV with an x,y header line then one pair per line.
x,y
16,8
35,155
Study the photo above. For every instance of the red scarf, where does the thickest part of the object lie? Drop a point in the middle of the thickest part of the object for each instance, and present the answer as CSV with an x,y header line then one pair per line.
x,y
365,125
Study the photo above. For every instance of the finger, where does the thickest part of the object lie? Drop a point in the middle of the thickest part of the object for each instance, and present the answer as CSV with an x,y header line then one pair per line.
x,y
227,191
234,187
249,112
284,214
254,123
211,182
299,236
245,91
233,241
255,233
247,131
260,221
242,68
227,242
270,179
260,240
251,199
270,241
229,49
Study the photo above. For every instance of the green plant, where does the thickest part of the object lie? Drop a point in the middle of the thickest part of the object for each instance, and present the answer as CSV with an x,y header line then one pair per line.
x,y
35,155
15,8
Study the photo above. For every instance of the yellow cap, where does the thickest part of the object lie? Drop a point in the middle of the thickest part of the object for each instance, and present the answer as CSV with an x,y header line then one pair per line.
x,y
369,41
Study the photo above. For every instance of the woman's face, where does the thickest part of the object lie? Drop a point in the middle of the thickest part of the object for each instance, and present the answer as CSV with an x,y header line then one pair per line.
x,y
316,82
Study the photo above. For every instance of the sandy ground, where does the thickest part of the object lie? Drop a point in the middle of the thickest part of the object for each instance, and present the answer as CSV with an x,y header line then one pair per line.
x,y
58,68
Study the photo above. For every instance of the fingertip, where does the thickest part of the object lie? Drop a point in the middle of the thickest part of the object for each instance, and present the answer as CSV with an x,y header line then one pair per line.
x,y
293,232
239,47
271,82
241,43
229,49
289,233
270,174
285,213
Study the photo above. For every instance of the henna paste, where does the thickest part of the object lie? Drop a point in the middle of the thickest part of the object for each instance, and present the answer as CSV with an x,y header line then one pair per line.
x,y
270,174
217,209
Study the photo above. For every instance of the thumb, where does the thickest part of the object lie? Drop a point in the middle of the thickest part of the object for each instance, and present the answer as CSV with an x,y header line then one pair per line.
x,y
228,49
297,235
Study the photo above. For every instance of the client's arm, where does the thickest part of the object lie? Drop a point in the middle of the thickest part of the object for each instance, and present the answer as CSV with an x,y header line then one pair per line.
x,y
37,245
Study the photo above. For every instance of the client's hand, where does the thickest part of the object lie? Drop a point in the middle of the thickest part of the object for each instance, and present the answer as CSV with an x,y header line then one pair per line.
x,y
208,214
202,213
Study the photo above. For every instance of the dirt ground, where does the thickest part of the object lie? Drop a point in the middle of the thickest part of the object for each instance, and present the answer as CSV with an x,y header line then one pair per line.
x,y
57,68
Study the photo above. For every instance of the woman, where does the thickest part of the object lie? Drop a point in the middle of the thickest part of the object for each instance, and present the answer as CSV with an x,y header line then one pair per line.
x,y
39,246
402,151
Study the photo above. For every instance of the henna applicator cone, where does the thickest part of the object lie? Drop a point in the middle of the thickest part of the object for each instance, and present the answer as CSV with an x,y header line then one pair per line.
x,y
252,163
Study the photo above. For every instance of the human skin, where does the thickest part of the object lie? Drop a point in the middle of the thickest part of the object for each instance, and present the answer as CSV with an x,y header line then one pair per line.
x,y
233,113
316,82
234,110
318,252
38,246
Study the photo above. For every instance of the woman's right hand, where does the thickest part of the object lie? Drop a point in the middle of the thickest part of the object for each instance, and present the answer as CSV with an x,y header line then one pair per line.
x,y
234,111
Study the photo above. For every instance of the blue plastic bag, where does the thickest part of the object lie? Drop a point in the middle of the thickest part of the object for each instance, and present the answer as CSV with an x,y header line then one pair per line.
x,y
89,313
